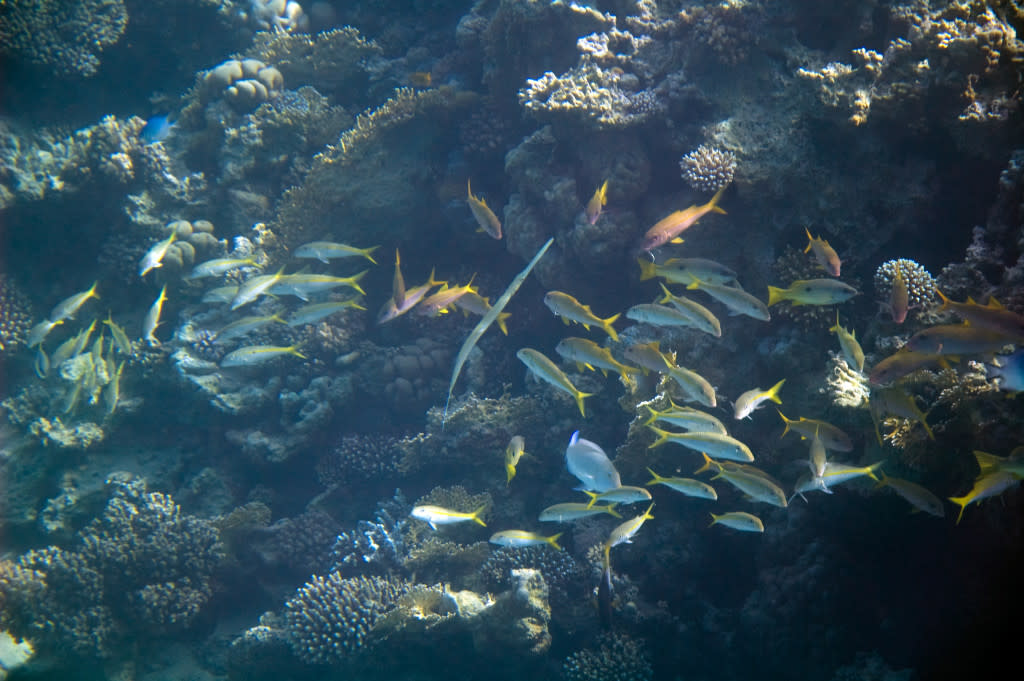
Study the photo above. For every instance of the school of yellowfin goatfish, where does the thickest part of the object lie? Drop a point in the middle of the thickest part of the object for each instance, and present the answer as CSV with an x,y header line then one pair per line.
x,y
96,366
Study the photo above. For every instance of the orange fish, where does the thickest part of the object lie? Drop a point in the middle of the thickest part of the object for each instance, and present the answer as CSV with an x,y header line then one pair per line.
x,y
485,217
826,256
899,298
669,228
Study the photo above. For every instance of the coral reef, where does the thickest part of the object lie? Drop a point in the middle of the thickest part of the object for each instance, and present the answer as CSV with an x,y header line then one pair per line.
x,y
377,545
333,60
920,284
65,37
15,319
518,621
358,457
617,658
331,618
299,545
142,569
708,169
846,386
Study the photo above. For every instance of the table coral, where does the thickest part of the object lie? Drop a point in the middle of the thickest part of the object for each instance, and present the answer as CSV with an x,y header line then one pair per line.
x,y
65,37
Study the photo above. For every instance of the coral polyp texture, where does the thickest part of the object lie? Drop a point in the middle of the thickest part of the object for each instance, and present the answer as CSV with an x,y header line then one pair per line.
x,y
708,169
920,283
15,321
65,37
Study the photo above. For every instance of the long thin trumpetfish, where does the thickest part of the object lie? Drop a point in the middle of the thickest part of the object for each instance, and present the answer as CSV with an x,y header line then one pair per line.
x,y
486,321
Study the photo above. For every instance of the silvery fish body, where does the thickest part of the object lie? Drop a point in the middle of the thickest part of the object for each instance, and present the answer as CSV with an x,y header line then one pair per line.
x,y
588,462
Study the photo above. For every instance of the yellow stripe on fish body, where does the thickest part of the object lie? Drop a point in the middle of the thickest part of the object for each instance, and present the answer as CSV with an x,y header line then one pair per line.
x,y
155,255
812,292
438,515
521,538
988,485
686,417
484,216
254,355
304,285
569,309
751,400
897,402
245,325
572,510
69,307
309,314
545,369
121,341
738,520
324,251
757,487
686,270
152,320
625,532
715,445
687,486
254,287
586,353
38,333
624,494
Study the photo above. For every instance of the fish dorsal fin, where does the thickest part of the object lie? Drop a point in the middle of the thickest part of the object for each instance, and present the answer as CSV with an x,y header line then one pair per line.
x,y
995,304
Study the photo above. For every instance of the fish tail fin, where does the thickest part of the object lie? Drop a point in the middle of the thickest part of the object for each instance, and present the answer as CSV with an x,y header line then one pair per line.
x,y
654,415
810,240
368,253
775,295
708,462
501,321
872,468
986,461
662,437
648,270
655,478
695,284
610,510
475,516
553,540
294,350
593,497
606,324
773,392
786,421
668,294
510,472
835,329
579,395
712,205
354,281
714,519
962,503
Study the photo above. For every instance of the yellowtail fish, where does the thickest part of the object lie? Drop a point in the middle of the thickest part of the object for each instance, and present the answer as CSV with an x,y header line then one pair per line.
x,y
221,294
488,319
70,347
738,520
826,256
954,339
812,292
696,387
686,417
546,370
112,392
121,341
668,229
751,400
398,283
484,216
82,339
305,285
625,494
410,299
993,316
586,353
848,345
988,485
1007,371
569,309
437,515
513,452
155,255
473,302
663,315
439,302
69,307
570,511
833,438
899,298
254,287
686,271
219,266
254,355
649,357
310,314
325,251
701,317
624,533
838,473
520,538
590,465
715,445
596,203
734,466
757,487
38,333
687,486
900,364
989,463
152,320
735,298
916,495
818,457
245,325
897,402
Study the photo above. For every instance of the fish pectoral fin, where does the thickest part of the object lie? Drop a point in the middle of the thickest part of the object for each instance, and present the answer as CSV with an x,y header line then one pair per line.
x,y
677,240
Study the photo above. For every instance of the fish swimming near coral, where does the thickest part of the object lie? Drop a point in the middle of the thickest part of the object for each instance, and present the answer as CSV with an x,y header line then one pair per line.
x,y
624,494
715,445
833,438
916,495
546,370
685,271
437,515
521,538
571,310
596,203
852,352
735,298
900,364
513,452
152,320
155,255
585,353
988,485
955,339
255,355
812,292
157,129
590,465
484,216
752,400
69,307
573,510
824,254
992,316
668,229
325,251
219,266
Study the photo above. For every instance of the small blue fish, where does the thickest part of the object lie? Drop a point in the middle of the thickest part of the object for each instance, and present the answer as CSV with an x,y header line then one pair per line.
x,y
156,129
